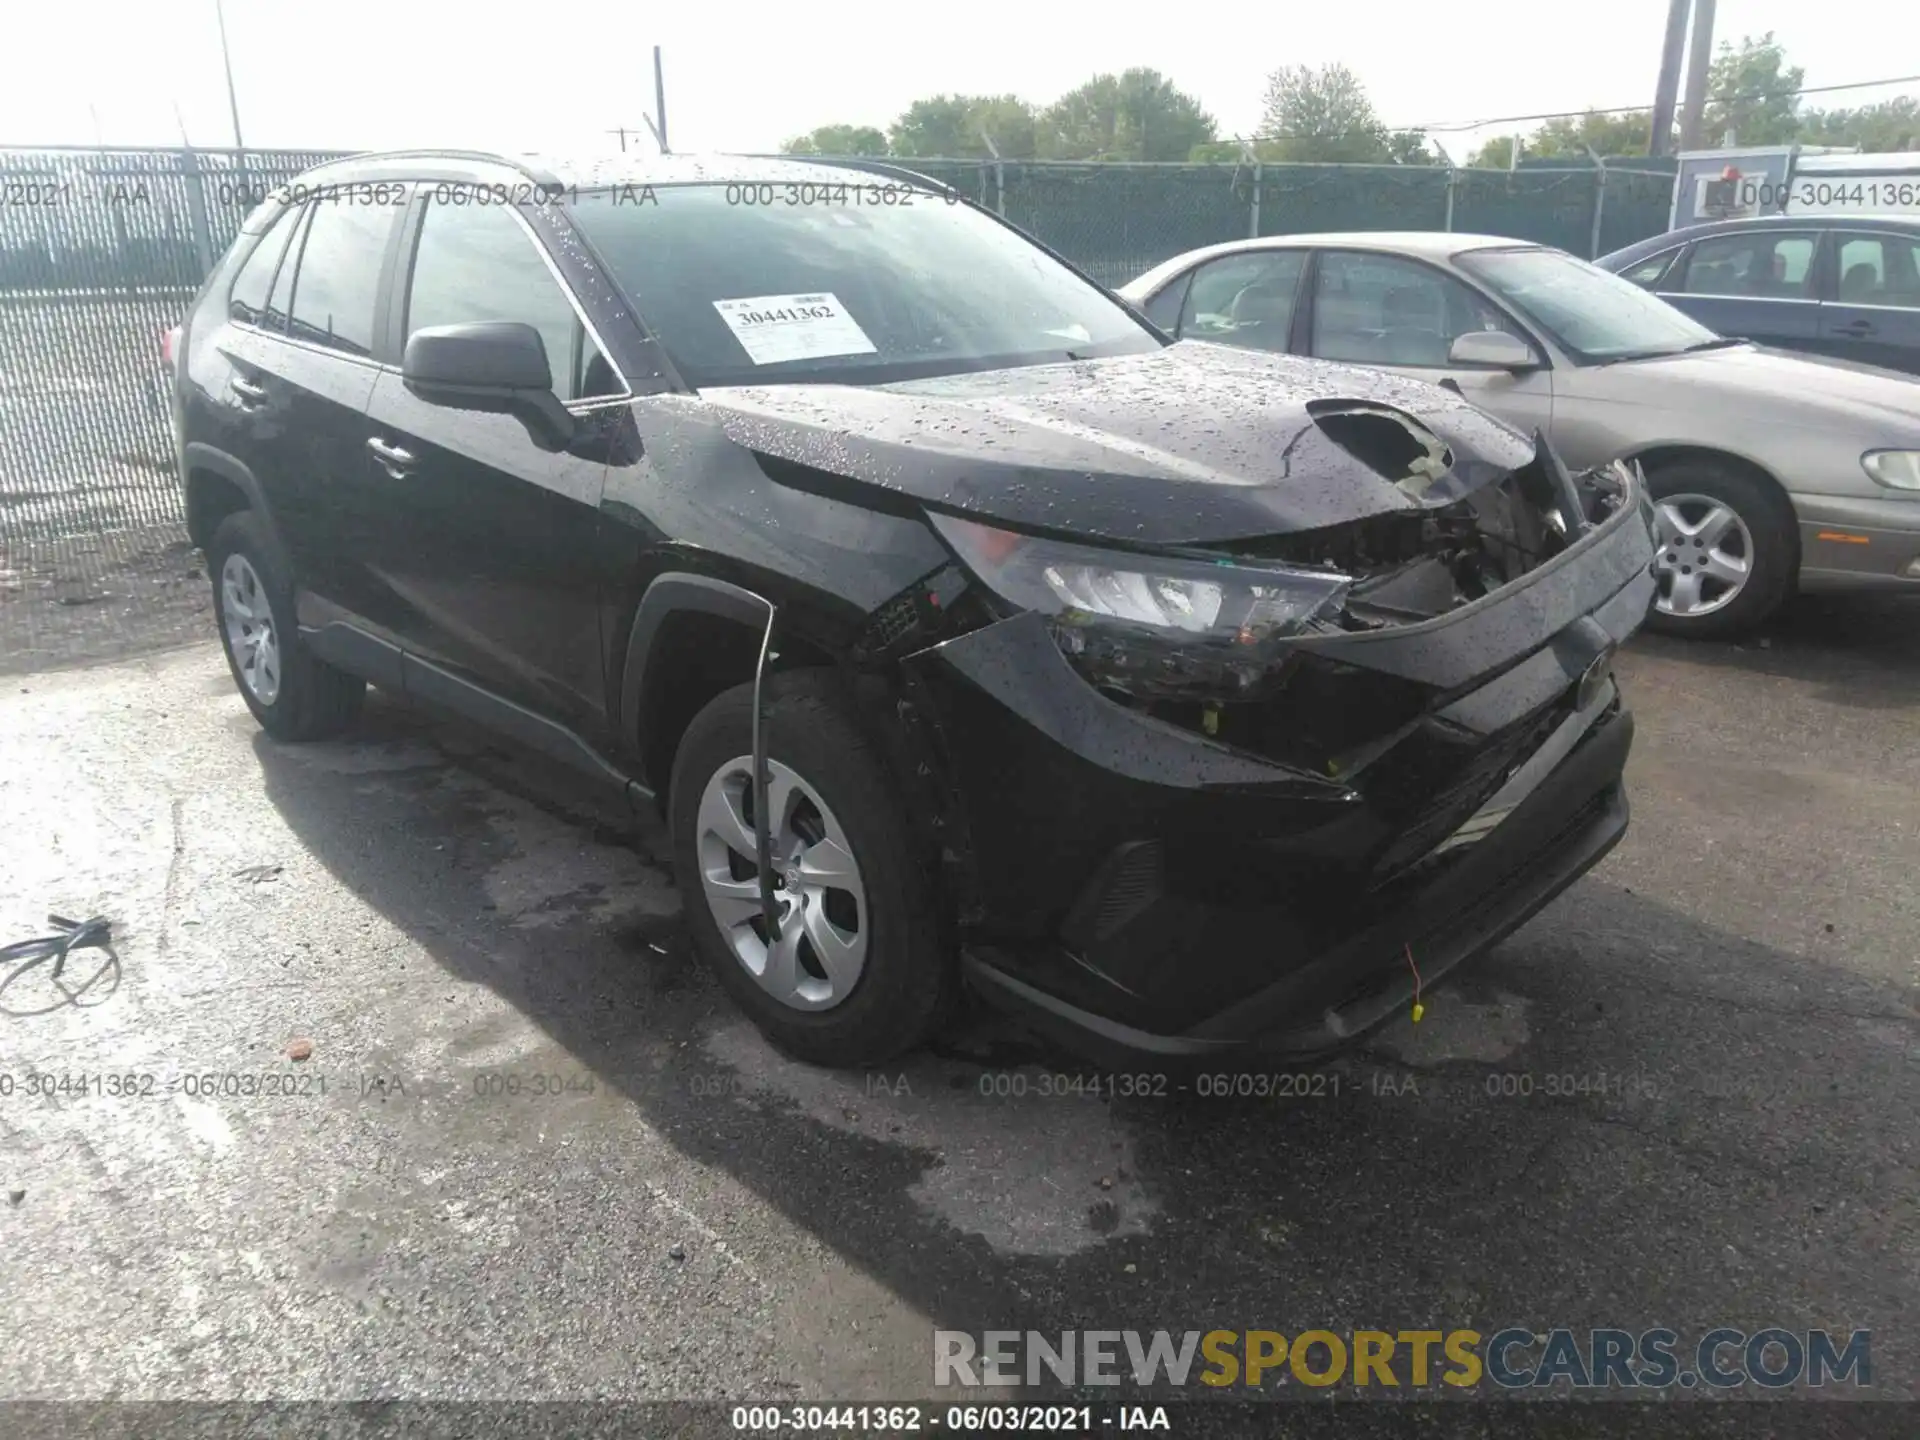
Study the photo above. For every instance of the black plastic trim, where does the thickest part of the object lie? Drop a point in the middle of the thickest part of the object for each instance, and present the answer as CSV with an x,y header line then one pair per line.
x,y
669,593
198,455
352,649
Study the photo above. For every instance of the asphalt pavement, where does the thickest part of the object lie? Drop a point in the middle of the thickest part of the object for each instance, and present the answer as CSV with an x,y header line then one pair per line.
x,y
532,1153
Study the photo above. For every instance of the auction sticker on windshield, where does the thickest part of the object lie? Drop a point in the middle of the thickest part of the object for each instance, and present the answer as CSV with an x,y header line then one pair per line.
x,y
773,328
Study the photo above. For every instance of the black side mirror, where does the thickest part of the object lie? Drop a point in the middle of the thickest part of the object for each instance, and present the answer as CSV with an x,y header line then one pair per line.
x,y
495,365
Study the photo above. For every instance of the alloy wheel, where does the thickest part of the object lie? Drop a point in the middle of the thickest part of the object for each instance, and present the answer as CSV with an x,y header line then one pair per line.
x,y
815,956
250,634
1705,556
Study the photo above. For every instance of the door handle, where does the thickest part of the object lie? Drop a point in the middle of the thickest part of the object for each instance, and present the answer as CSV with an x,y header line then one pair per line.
x,y
396,460
1854,328
249,393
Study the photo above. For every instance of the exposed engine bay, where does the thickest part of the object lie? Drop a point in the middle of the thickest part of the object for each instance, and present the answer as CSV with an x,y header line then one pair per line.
x,y
1408,566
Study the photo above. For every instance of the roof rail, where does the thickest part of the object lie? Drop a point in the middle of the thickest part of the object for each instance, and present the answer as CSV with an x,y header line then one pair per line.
x,y
860,162
480,157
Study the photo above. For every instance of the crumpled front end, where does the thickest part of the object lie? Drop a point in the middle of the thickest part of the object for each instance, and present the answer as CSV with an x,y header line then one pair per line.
x,y
1173,859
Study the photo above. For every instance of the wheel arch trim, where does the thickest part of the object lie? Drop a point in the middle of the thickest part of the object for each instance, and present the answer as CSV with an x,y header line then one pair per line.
x,y
667,595
198,456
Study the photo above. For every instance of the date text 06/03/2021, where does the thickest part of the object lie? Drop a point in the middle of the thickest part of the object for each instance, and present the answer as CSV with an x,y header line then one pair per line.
x,y
912,1419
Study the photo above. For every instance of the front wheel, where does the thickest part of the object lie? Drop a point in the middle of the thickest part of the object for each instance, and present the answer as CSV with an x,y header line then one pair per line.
x,y
1726,555
854,970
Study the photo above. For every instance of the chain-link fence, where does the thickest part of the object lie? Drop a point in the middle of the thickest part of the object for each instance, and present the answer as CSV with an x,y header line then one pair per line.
x,y
102,250
1116,220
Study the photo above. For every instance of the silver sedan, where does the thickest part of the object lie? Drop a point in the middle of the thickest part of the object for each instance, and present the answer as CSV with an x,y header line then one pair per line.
x,y
1769,470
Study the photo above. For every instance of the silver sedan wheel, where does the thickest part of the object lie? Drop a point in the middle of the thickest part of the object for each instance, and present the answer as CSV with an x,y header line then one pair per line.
x,y
250,635
1705,555
815,958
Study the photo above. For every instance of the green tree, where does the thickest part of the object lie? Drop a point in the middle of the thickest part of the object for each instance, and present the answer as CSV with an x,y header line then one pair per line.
x,y
1887,126
1137,115
956,127
1752,91
1409,147
838,140
1322,115
1496,154
1628,134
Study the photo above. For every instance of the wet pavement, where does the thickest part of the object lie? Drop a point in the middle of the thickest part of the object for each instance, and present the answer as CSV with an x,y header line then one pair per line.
x,y
533,1153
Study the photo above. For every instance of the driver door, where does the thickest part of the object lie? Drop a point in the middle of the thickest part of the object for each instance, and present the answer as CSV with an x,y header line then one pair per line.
x,y
1395,313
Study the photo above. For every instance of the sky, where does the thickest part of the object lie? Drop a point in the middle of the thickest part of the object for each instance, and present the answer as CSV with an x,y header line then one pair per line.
x,y
741,76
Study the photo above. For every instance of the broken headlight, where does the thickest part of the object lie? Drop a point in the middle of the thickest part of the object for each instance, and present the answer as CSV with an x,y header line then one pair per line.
x,y
1158,627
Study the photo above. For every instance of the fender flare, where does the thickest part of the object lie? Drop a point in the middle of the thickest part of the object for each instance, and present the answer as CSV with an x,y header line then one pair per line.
x,y
198,455
667,595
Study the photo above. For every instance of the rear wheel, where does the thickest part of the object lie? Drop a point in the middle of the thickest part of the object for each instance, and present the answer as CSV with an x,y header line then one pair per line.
x,y
1726,555
292,693
854,970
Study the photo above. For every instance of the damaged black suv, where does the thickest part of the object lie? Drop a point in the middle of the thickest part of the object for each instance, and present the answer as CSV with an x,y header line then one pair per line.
x,y
965,629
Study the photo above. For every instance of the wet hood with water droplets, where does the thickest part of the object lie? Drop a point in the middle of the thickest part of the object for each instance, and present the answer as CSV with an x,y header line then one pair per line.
x,y
1190,444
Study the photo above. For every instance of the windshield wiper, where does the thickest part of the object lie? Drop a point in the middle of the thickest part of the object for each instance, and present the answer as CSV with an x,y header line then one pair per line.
x,y
1718,342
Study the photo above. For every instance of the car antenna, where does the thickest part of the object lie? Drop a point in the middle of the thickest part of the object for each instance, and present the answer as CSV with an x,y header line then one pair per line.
x,y
762,836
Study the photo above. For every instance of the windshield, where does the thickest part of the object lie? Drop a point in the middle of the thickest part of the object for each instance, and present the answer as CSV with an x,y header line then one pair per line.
x,y
1592,314
845,282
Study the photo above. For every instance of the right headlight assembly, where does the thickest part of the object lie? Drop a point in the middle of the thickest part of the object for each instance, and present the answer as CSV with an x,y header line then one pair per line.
x,y
1157,627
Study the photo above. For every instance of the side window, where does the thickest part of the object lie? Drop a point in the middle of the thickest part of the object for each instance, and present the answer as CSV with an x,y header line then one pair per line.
x,y
1879,270
339,275
1772,265
247,301
1244,299
1164,308
474,263
1384,310
1648,272
282,299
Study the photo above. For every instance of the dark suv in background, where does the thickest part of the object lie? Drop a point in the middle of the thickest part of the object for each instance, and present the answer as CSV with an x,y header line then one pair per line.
x,y
961,624
1841,285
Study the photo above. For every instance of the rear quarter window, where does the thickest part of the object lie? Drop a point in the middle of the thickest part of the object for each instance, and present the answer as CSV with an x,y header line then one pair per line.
x,y
339,275
247,301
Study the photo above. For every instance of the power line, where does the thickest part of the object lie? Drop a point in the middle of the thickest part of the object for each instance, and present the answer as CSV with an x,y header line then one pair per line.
x,y
1629,109
1452,127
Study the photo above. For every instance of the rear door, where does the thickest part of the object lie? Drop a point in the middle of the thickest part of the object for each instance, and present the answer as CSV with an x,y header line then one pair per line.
x,y
1246,300
1397,313
240,384
490,549
308,372
1874,310
1753,284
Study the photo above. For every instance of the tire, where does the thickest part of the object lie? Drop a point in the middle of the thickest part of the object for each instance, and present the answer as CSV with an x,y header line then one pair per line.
x,y
1689,488
309,699
906,981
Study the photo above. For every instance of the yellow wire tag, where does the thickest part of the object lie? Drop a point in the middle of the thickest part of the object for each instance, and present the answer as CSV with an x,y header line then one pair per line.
x,y
1418,1011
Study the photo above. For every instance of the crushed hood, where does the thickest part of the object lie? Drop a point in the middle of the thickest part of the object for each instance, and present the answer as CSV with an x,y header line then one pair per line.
x,y
1191,444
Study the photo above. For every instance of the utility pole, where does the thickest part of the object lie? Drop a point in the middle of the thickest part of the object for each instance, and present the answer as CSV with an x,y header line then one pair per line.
x,y
1693,120
659,102
226,60
1669,85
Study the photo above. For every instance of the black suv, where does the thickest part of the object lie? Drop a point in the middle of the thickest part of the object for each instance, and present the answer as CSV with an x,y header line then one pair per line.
x,y
963,626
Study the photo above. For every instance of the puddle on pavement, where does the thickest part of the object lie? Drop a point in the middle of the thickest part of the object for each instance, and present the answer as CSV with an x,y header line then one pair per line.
x,y
1030,1174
